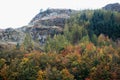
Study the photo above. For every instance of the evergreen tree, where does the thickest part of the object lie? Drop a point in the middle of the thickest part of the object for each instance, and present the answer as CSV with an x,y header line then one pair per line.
x,y
17,46
28,43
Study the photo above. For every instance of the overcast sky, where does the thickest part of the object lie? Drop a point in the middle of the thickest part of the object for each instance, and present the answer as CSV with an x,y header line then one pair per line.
x,y
17,13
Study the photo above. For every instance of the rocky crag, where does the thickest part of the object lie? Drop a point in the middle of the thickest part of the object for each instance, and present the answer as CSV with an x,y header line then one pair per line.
x,y
112,7
49,22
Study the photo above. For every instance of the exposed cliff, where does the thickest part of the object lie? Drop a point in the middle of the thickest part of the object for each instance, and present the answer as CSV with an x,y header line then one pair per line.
x,y
11,35
51,17
112,7
48,22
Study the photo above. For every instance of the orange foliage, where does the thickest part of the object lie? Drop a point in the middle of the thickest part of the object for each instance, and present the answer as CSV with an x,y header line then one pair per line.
x,y
66,75
3,72
90,46
71,49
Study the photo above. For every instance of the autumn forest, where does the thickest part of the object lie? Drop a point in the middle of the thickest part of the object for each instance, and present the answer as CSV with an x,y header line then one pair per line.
x,y
87,49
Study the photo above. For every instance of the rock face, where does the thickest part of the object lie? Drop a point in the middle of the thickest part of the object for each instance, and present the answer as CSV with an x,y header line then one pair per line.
x,y
49,22
11,35
112,7
50,15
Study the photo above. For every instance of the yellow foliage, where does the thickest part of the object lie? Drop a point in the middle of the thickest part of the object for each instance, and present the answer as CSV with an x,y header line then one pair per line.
x,y
24,61
41,75
3,72
66,75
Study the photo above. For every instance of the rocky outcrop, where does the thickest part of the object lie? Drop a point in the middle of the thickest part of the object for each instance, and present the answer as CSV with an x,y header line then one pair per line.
x,y
52,17
49,22
52,14
11,35
40,33
112,7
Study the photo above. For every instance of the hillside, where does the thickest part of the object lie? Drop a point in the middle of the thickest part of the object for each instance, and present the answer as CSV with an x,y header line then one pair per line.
x,y
63,44
48,22
112,7
53,17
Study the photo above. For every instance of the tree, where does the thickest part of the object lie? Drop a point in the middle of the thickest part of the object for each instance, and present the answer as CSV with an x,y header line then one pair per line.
x,y
56,44
18,46
28,43
74,33
66,75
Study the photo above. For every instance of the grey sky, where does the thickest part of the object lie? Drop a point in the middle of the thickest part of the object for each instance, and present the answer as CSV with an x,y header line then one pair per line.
x,y
17,13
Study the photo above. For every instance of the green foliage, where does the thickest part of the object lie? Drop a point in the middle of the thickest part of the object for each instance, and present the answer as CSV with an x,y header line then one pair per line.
x,y
56,44
76,62
105,22
18,46
85,52
28,43
75,33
